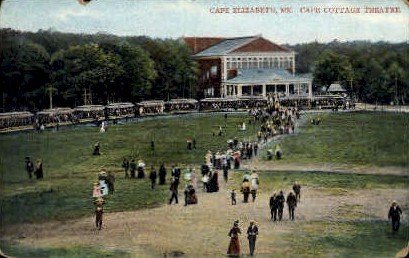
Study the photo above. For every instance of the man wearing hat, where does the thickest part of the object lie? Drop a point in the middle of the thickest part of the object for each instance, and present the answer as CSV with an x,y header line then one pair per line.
x,y
297,190
252,233
273,206
292,203
96,149
29,167
394,214
280,203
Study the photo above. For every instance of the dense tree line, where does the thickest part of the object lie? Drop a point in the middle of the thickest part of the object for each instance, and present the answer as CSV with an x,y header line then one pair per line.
x,y
372,72
76,69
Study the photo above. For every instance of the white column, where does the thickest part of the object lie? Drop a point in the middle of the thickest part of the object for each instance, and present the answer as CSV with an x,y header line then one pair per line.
x,y
298,89
287,89
264,91
251,90
239,90
224,69
275,88
310,90
293,63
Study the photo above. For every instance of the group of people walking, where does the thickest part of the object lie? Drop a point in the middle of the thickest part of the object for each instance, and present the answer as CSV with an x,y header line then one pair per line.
x,y
234,233
36,169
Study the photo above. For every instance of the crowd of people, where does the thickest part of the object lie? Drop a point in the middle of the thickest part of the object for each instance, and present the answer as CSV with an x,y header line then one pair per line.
x,y
272,119
215,104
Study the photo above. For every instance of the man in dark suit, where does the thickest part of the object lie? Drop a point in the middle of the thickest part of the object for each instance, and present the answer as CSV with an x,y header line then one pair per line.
x,y
174,191
252,233
273,207
292,203
29,167
280,201
394,214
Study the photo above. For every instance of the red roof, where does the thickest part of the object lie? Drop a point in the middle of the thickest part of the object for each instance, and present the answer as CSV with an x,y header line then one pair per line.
x,y
198,44
261,45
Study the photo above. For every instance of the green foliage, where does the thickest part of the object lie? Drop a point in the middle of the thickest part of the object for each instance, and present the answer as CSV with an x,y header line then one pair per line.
x,y
377,71
139,73
355,138
85,67
24,69
176,70
70,169
108,67
330,68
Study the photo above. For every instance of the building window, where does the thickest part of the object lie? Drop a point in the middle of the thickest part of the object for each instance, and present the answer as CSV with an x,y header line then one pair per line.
x,y
233,63
257,90
286,63
291,89
244,63
246,90
270,88
281,88
265,63
254,63
213,70
275,63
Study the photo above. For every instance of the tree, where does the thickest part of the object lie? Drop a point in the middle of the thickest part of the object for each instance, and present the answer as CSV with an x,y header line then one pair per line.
x,y
24,73
85,68
331,67
175,68
139,73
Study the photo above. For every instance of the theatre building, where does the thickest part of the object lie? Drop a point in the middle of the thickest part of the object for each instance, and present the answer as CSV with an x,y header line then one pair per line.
x,y
247,67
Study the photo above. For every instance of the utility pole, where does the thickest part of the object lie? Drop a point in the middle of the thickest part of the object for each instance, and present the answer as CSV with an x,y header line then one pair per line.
x,y
87,97
50,90
396,88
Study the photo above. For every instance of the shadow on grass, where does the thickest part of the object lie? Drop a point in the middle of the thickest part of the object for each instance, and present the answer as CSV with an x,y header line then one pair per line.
x,y
16,250
348,239
61,202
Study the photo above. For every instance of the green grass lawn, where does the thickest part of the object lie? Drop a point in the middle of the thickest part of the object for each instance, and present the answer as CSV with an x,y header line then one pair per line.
x,y
77,251
350,233
378,139
354,138
347,239
70,169
330,181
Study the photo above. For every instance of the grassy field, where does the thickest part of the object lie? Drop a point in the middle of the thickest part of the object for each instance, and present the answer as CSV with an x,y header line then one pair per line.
x,y
70,169
274,181
373,139
346,239
355,138
78,251
351,232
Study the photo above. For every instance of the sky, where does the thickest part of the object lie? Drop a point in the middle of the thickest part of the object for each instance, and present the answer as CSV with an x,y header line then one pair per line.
x,y
178,18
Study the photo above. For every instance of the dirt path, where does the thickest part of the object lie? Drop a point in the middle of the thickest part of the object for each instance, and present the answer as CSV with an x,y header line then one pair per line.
x,y
264,165
201,230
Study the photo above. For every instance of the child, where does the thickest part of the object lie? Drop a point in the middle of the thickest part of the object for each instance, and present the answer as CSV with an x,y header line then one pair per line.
x,y
99,210
233,197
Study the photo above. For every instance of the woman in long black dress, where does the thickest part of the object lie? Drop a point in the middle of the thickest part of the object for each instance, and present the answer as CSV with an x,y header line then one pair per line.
x,y
234,246
39,169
